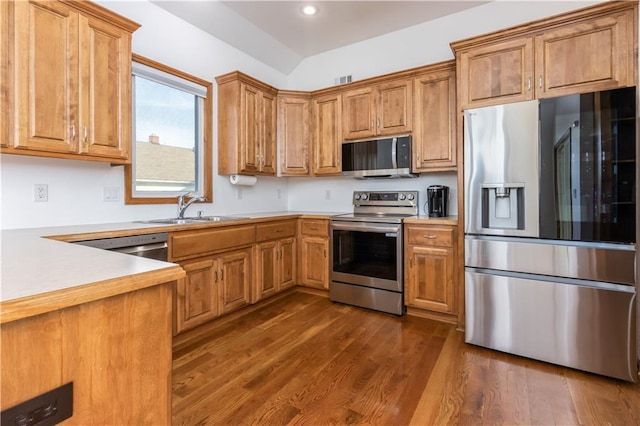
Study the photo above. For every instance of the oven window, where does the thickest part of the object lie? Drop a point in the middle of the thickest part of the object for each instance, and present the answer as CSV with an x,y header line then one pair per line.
x,y
371,254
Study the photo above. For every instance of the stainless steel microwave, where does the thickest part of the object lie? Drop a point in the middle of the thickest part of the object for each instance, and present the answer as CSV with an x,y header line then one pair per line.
x,y
370,158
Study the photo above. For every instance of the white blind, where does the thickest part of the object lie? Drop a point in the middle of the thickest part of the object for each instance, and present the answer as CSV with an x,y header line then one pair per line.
x,y
167,79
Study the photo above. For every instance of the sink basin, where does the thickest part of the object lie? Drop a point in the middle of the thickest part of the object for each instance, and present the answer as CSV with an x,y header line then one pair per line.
x,y
187,220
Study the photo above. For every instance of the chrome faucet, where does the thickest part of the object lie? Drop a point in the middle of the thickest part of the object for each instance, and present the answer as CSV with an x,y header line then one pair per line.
x,y
182,206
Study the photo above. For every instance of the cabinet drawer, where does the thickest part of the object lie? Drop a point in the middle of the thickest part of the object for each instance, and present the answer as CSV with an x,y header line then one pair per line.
x,y
315,227
194,243
275,230
430,236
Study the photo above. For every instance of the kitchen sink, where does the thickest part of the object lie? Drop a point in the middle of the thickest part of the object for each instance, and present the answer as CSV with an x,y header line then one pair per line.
x,y
187,220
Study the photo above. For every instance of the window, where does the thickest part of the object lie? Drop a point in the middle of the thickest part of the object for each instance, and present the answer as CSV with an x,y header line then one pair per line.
x,y
171,147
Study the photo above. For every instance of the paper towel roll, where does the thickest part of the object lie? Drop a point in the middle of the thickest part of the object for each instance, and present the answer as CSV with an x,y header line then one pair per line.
x,y
242,180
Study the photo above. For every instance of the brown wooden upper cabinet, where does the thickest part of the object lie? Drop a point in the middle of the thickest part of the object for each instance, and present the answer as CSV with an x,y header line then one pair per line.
x,y
71,90
294,133
434,125
246,125
380,110
327,134
588,50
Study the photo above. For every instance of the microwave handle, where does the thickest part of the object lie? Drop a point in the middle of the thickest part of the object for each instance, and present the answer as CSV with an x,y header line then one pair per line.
x,y
394,153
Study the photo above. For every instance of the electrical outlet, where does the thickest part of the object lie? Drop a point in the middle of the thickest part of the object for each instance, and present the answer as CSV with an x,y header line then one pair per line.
x,y
110,193
327,194
239,193
40,192
278,194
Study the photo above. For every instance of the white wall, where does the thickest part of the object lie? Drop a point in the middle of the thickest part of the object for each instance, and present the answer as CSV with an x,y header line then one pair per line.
x,y
76,187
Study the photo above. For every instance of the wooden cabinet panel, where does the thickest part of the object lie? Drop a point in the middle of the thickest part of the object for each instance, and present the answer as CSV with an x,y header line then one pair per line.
x,y
46,85
235,280
106,67
314,227
275,230
116,351
594,55
431,278
197,294
294,135
327,135
314,262
288,263
250,129
268,134
6,84
186,244
395,108
72,88
247,113
385,109
499,73
434,136
359,113
265,270
430,264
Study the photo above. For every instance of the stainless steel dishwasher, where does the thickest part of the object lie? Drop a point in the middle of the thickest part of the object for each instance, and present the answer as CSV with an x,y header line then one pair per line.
x,y
151,246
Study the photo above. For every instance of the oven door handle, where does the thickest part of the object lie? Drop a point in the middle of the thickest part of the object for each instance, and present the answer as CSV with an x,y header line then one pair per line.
x,y
365,227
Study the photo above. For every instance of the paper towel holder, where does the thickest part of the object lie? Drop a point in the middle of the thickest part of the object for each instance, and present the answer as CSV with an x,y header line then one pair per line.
x,y
243,180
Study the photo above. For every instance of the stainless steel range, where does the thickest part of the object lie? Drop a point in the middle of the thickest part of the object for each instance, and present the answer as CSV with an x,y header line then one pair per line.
x,y
367,253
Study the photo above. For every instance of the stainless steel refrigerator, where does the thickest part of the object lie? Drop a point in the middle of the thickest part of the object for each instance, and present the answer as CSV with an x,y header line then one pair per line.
x,y
550,230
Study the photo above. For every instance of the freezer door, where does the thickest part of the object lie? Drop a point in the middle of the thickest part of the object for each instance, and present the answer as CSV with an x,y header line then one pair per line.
x,y
582,327
501,170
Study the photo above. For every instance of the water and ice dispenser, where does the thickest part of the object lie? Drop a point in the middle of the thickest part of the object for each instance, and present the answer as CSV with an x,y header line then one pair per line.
x,y
503,206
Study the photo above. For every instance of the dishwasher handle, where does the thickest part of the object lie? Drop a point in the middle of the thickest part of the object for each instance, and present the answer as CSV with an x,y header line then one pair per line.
x,y
142,249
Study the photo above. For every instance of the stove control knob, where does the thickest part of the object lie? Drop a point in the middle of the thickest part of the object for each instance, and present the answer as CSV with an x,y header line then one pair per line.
x,y
410,196
364,196
402,197
357,196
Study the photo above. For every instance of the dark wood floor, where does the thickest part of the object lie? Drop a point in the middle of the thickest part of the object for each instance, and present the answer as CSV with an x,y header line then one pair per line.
x,y
305,360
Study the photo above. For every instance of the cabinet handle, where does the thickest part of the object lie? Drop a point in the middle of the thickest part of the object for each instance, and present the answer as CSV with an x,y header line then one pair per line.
x,y
215,276
325,252
411,261
540,81
378,123
313,228
85,134
73,132
430,237
221,275
371,127
529,84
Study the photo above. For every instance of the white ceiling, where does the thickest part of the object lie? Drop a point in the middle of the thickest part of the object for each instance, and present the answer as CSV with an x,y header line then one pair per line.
x,y
278,34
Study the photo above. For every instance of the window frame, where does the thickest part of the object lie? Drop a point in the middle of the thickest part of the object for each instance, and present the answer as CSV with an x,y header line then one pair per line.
x,y
207,139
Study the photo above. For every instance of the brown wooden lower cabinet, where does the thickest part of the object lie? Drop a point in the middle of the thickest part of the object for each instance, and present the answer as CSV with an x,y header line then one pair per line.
x,y
214,285
116,351
314,253
275,267
430,269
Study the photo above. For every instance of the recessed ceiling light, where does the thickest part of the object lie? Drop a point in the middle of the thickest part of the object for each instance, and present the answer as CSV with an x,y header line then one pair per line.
x,y
309,10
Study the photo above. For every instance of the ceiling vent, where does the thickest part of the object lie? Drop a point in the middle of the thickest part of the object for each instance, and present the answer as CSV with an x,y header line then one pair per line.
x,y
343,80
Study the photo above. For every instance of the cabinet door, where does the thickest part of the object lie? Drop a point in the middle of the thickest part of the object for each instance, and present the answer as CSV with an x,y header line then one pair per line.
x,y
105,59
496,74
434,136
395,108
590,56
359,113
268,134
197,293
431,278
235,280
327,135
266,270
5,90
287,263
250,113
46,76
314,262
294,136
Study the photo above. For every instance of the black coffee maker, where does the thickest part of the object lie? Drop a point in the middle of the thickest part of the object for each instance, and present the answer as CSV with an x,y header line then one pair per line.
x,y
437,199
